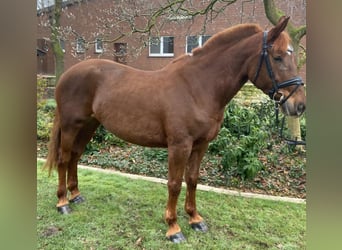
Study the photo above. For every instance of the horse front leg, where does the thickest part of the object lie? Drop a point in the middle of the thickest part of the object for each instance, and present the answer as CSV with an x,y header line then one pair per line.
x,y
191,177
178,158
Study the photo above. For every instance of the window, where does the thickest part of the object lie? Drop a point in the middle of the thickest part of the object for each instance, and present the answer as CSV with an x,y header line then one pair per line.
x,y
98,45
80,45
194,42
120,52
161,46
62,43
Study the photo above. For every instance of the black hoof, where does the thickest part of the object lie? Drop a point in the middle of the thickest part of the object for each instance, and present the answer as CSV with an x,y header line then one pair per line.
x,y
200,226
78,199
177,238
64,209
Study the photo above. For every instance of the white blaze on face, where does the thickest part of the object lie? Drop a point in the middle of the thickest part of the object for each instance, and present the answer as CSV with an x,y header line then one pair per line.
x,y
289,49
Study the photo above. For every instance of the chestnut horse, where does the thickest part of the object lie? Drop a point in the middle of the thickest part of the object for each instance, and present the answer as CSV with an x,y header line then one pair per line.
x,y
179,107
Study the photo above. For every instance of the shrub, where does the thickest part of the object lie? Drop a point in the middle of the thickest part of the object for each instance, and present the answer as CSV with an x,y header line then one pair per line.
x,y
44,122
45,111
41,89
244,134
102,138
157,154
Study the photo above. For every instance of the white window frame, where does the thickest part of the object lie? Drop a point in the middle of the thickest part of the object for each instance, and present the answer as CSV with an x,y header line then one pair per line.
x,y
80,45
62,44
200,42
161,52
99,45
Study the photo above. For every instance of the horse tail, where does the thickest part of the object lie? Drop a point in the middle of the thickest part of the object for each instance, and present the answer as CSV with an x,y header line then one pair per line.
x,y
53,146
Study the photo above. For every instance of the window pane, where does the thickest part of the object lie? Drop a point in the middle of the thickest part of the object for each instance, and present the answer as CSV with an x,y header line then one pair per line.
x,y
62,43
155,45
99,44
204,39
168,44
192,42
80,45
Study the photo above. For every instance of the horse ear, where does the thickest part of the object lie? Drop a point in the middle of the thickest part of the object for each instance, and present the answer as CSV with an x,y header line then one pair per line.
x,y
276,30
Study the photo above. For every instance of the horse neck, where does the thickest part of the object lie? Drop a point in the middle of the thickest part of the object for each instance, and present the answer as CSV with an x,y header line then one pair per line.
x,y
223,72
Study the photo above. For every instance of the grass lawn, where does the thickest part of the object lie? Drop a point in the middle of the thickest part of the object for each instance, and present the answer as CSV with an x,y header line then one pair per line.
x,y
121,213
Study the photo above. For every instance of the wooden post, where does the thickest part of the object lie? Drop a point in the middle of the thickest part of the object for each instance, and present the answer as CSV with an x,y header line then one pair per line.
x,y
293,124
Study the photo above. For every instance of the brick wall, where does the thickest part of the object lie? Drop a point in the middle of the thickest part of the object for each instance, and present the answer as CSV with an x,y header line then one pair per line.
x,y
91,18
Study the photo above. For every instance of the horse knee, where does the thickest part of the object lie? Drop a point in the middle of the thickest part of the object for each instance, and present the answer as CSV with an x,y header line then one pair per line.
x,y
191,181
174,187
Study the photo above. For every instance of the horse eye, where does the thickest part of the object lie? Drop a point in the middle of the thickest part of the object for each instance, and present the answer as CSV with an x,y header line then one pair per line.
x,y
278,59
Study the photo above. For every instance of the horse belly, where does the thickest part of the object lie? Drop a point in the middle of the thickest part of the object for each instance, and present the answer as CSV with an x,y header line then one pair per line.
x,y
143,131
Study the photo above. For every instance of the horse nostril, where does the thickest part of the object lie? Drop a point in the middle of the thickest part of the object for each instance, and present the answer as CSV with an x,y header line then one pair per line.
x,y
300,108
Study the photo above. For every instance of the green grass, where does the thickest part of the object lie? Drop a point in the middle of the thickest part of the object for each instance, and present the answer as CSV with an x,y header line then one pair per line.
x,y
121,213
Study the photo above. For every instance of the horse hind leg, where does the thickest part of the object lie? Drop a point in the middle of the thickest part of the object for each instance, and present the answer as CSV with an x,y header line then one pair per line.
x,y
67,140
73,140
83,137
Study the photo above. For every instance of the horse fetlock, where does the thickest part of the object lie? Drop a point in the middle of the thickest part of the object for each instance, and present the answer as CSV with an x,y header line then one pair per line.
x,y
195,218
170,217
173,229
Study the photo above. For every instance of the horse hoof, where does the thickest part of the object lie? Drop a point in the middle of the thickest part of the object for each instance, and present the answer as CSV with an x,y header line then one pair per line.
x,y
64,209
77,200
177,238
200,226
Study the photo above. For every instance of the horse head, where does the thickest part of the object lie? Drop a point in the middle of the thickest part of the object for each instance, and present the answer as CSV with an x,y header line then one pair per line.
x,y
276,70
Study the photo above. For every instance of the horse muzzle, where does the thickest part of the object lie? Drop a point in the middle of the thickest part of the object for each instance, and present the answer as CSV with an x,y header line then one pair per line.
x,y
293,109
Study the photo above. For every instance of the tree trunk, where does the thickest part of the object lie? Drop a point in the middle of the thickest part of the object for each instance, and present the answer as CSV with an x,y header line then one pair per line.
x,y
55,39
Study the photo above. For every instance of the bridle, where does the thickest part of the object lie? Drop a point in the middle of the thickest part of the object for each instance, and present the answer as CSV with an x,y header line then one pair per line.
x,y
296,81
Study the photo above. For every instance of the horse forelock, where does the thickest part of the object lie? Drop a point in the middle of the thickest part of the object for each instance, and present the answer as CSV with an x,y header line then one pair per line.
x,y
229,36
281,44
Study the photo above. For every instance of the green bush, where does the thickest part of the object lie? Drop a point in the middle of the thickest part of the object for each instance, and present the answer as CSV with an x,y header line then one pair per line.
x,y
303,126
45,111
158,154
102,138
244,134
44,123
41,88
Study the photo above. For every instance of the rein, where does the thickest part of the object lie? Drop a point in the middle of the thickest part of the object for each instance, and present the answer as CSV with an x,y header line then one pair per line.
x,y
294,142
297,81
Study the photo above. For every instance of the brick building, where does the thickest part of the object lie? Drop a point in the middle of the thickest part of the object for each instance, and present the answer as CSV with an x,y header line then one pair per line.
x,y
89,29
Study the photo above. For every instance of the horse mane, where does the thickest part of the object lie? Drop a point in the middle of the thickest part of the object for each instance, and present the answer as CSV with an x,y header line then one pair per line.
x,y
228,36
234,34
